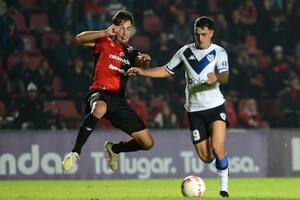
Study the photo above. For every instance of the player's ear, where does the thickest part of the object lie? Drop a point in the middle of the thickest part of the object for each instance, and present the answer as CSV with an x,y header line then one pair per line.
x,y
212,33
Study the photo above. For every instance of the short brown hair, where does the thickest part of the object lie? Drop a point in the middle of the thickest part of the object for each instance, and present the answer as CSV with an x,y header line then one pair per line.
x,y
121,17
205,21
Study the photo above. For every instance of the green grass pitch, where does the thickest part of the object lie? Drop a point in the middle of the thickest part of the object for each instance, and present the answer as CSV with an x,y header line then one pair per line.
x,y
156,189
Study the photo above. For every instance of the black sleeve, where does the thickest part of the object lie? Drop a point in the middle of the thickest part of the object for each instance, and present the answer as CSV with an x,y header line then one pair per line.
x,y
132,55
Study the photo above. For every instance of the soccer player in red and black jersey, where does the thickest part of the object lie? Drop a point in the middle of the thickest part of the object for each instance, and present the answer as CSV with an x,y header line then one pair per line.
x,y
106,96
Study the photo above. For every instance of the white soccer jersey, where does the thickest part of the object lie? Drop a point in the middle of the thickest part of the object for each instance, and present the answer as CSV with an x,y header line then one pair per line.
x,y
198,63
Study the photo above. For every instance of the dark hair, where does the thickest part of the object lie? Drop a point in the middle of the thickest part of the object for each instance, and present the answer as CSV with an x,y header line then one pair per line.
x,y
205,21
121,17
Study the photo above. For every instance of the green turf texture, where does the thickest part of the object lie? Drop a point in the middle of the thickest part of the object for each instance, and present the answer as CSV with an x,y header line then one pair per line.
x,y
156,189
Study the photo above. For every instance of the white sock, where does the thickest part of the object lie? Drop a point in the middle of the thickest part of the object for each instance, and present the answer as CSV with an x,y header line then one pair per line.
x,y
212,161
223,179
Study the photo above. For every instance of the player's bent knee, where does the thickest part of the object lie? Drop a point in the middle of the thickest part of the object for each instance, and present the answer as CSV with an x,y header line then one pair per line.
x,y
218,152
205,158
99,109
144,138
148,144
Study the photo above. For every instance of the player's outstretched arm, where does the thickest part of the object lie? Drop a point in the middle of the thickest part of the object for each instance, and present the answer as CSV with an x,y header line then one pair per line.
x,y
223,77
157,72
88,38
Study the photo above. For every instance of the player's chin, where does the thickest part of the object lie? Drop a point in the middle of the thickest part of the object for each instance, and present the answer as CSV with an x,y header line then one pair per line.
x,y
124,41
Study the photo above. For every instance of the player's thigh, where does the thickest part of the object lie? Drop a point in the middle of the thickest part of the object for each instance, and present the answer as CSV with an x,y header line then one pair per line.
x,y
217,124
144,138
218,136
198,127
99,108
203,150
98,103
200,135
126,119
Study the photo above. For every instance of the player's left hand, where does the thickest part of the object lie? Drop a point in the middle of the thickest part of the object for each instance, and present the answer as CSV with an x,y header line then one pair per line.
x,y
113,30
142,60
211,78
135,71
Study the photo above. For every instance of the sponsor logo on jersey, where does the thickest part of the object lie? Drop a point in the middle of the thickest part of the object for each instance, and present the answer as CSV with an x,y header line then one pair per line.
x,y
121,54
196,81
223,116
118,58
112,67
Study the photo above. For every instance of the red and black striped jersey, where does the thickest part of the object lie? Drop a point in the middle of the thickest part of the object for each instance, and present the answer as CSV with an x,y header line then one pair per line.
x,y
112,60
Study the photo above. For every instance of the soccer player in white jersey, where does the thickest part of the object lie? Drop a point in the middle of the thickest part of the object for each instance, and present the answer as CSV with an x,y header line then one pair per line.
x,y
206,67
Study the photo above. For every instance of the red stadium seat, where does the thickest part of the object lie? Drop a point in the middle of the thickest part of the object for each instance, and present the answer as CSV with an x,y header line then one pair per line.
x,y
251,43
13,60
298,62
241,106
68,113
67,110
213,6
156,106
38,21
58,88
276,114
28,4
141,42
104,124
186,123
50,40
20,22
2,109
231,114
152,24
57,84
35,61
47,105
194,16
263,61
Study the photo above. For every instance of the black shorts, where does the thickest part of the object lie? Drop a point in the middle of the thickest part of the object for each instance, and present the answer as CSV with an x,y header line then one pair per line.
x,y
118,111
201,120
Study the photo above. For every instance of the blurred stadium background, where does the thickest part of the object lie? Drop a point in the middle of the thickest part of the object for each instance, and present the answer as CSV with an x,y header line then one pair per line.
x,y
44,76
37,46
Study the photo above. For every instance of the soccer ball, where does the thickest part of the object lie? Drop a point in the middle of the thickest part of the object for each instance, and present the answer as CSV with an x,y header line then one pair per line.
x,y
193,186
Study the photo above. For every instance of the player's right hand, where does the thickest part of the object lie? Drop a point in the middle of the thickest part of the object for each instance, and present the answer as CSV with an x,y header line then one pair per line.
x,y
112,30
135,71
211,78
